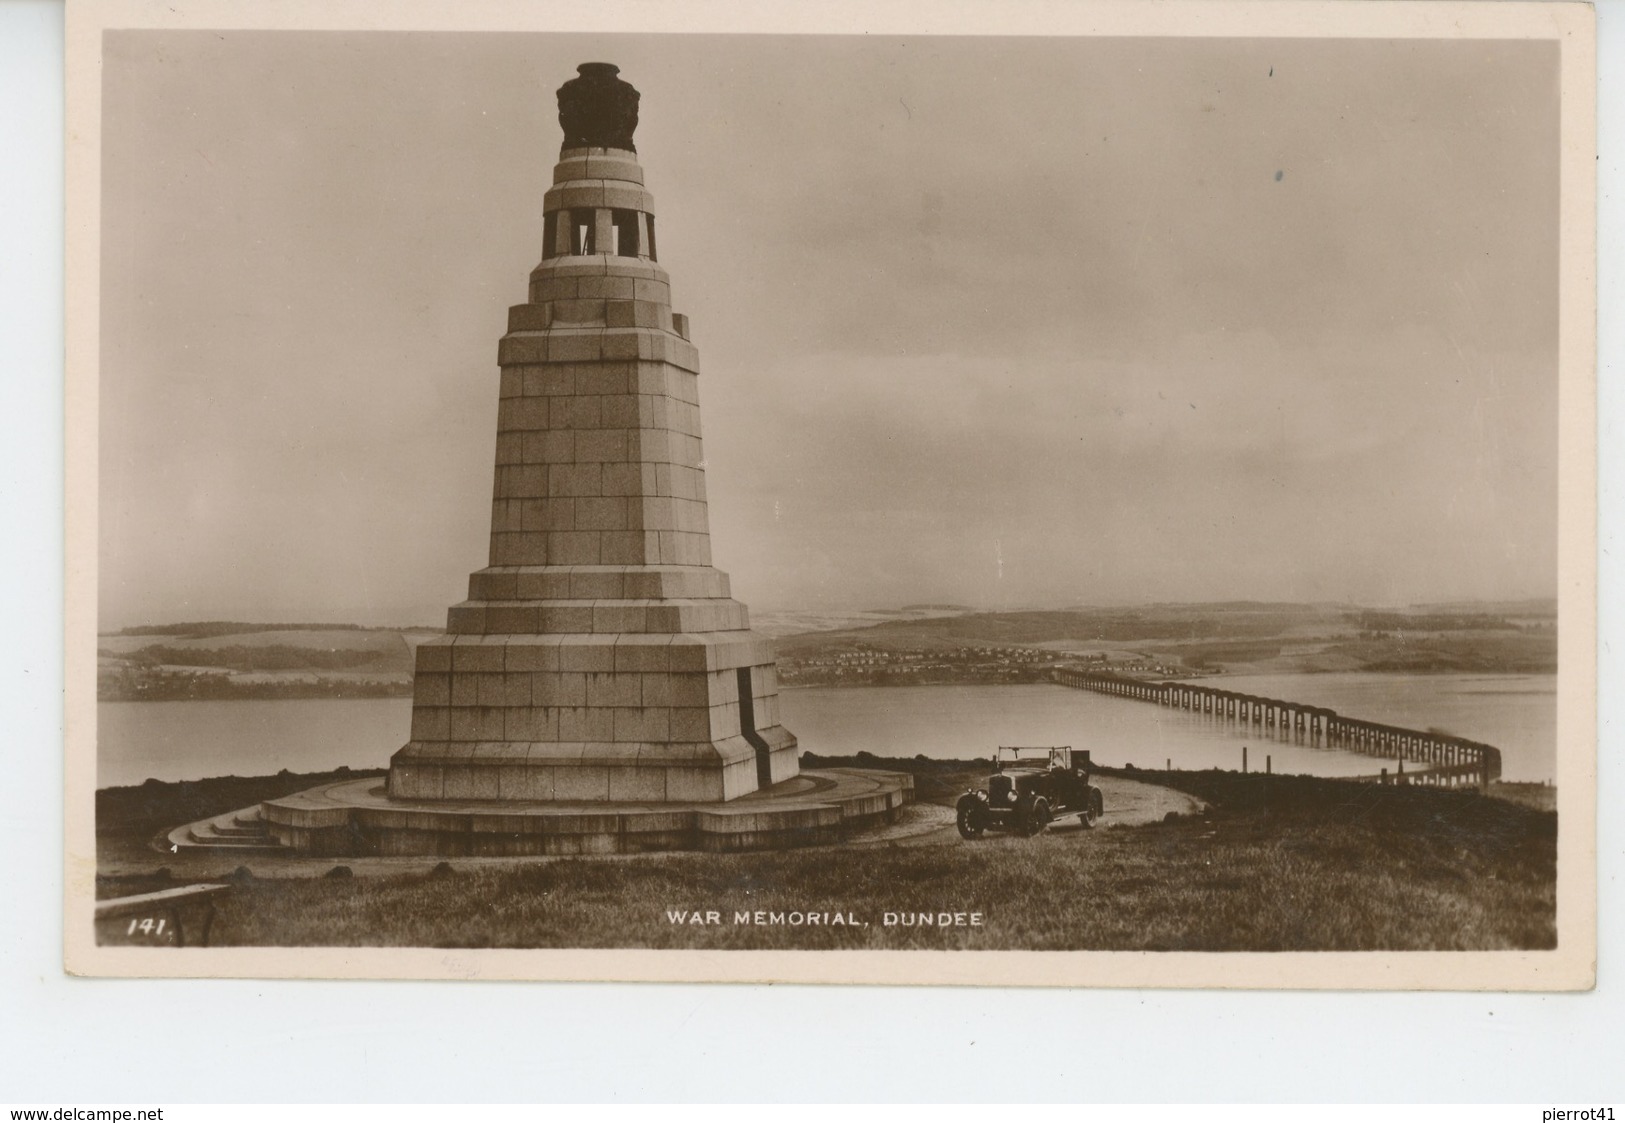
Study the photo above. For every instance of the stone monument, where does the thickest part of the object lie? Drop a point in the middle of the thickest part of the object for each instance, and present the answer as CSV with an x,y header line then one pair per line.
x,y
599,691
599,656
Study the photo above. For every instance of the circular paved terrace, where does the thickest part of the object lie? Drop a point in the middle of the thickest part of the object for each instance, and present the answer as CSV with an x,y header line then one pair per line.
x,y
355,818
242,835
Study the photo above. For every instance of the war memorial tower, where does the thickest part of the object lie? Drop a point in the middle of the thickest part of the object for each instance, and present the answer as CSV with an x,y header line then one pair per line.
x,y
599,656
598,691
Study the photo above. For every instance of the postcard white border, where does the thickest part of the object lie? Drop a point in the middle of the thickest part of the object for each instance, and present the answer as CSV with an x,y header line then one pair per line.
x,y
1571,966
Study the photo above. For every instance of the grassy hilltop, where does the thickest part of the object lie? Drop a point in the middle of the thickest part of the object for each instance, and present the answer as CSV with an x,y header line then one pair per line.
x,y
1277,863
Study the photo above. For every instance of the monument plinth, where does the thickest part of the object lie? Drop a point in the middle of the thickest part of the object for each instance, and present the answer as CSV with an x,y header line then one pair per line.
x,y
599,656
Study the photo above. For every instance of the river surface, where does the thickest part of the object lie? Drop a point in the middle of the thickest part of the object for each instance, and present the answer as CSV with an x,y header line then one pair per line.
x,y
1516,713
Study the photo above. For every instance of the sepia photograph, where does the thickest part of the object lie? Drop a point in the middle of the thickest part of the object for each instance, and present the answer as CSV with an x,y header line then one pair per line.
x,y
667,503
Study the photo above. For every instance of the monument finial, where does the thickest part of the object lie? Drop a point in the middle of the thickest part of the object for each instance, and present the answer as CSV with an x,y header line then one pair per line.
x,y
597,109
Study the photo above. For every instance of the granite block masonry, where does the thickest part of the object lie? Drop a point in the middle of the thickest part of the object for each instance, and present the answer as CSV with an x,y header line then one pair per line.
x,y
599,657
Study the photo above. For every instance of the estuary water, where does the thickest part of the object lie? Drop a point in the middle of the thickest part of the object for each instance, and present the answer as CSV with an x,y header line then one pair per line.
x,y
1516,713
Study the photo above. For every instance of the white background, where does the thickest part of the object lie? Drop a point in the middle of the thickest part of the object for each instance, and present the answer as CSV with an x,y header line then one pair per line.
x,y
71,1041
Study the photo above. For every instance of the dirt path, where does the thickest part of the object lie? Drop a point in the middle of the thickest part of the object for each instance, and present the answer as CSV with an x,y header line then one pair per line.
x,y
1132,802
1129,803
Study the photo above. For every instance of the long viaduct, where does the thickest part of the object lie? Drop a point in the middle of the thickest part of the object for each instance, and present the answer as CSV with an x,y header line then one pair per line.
x,y
1448,761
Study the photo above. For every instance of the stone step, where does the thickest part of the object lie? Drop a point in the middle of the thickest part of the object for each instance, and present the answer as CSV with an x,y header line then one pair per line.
x,y
243,831
203,836
232,830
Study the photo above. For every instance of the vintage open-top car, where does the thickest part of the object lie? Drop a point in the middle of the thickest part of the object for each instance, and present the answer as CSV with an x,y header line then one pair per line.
x,y
1031,787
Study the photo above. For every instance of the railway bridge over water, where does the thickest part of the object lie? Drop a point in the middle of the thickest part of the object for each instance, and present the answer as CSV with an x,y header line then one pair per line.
x,y
1447,761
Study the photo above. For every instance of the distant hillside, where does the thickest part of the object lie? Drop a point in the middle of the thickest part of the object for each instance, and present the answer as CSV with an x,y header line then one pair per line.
x,y
789,623
1085,627
223,660
1534,607
917,643
203,629
1178,639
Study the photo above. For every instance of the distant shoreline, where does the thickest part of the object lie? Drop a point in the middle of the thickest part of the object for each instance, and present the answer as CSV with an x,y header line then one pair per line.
x,y
230,661
351,692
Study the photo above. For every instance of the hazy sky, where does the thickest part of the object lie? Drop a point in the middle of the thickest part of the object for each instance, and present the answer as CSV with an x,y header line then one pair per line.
x,y
1014,322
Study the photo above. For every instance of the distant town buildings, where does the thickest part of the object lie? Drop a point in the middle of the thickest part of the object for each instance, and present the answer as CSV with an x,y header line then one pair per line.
x,y
863,664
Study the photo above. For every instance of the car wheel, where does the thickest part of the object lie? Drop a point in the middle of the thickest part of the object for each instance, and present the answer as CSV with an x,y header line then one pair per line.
x,y
969,817
1095,807
1038,816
